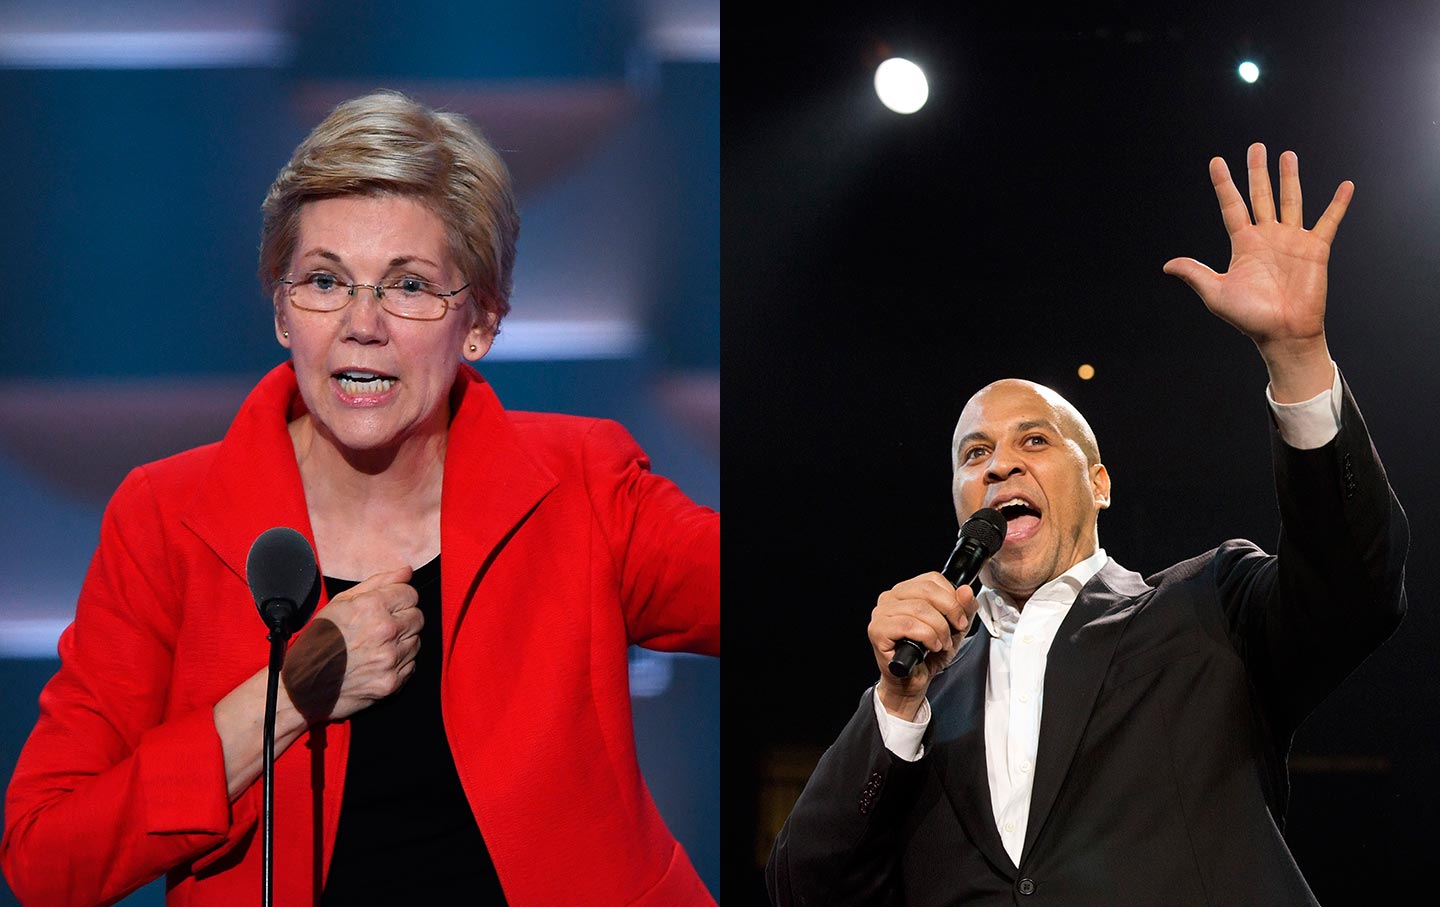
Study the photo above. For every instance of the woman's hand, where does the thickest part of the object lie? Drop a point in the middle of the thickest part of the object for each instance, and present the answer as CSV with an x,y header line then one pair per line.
x,y
359,649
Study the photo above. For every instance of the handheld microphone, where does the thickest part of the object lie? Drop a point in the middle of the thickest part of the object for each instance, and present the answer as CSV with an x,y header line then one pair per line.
x,y
285,581
980,536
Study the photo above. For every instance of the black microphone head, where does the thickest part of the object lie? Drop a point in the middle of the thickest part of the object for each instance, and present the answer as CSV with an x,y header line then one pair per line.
x,y
986,527
281,569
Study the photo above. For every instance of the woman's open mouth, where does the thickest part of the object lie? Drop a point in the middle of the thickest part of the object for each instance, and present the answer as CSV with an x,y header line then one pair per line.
x,y
357,385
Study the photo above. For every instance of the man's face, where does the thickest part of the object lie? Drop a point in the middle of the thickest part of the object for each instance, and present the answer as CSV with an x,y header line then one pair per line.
x,y
1020,448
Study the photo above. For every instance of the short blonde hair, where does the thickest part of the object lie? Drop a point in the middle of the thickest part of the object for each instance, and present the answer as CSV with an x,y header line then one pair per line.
x,y
387,144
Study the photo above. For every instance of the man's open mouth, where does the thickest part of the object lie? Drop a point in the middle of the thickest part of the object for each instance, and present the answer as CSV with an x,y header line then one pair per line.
x,y
1022,517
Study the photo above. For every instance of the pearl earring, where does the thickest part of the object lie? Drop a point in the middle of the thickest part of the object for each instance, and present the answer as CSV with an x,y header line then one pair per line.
x,y
473,347
287,334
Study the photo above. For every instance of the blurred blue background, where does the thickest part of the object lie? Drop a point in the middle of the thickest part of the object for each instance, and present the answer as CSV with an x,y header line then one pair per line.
x,y
142,139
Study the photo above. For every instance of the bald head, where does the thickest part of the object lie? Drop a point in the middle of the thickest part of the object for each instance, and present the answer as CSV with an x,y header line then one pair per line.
x,y
1064,415
1023,449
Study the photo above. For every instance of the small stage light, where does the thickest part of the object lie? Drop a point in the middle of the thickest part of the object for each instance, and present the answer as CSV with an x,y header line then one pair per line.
x,y
1249,72
901,85
1086,371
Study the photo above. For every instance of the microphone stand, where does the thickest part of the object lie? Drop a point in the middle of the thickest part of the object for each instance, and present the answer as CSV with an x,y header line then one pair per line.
x,y
278,613
285,582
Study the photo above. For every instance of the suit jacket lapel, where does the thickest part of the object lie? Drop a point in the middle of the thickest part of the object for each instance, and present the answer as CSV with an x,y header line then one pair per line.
x,y
1075,669
957,744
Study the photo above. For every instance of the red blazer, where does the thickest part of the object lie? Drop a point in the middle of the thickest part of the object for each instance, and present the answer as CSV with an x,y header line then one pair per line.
x,y
556,539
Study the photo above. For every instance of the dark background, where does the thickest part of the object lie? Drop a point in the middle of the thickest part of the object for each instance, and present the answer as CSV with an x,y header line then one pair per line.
x,y
878,269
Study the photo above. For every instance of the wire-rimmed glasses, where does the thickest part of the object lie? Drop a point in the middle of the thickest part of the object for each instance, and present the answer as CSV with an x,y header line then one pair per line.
x,y
403,297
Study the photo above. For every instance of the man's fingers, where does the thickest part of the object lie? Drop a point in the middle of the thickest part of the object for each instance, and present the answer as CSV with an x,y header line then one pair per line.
x,y
1329,222
960,610
1262,202
916,621
935,592
929,612
1291,209
1232,207
965,598
1203,280
932,586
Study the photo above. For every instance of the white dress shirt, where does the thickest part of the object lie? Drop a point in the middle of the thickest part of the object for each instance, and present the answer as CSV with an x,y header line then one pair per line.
x,y
1020,641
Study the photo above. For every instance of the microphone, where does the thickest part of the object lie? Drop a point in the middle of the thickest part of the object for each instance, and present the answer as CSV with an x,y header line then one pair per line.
x,y
283,578
285,581
980,536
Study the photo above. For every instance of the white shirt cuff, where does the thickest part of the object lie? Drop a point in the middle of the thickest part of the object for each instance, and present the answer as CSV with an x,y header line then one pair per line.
x,y
902,737
1312,423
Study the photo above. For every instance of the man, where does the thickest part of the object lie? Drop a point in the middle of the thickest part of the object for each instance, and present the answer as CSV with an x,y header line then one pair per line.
x,y
1099,738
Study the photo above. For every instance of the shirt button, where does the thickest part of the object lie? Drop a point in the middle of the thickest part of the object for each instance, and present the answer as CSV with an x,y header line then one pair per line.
x,y
1028,639
1024,697
1009,827
1026,886
1025,767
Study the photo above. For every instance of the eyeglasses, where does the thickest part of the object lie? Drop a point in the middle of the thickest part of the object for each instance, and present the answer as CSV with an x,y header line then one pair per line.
x,y
403,297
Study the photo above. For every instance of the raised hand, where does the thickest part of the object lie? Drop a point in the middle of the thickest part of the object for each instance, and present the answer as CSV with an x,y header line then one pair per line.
x,y
1274,289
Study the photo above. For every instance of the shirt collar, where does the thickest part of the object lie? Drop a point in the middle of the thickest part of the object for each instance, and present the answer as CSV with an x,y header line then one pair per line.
x,y
996,611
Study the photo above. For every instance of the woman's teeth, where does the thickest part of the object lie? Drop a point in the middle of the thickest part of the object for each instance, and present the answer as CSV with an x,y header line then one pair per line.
x,y
356,387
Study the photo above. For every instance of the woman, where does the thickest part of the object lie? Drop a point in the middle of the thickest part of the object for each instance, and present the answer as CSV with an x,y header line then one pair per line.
x,y
445,733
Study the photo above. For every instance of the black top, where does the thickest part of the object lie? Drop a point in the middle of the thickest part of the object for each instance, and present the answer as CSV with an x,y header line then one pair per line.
x,y
406,834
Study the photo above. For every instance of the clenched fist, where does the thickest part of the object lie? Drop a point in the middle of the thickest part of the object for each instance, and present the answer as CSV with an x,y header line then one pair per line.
x,y
926,610
360,649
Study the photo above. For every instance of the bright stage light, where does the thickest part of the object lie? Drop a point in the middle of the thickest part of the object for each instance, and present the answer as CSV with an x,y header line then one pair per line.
x,y
1249,72
901,85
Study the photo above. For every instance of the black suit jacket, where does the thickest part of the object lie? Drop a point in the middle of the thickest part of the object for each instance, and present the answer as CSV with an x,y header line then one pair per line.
x,y
1170,704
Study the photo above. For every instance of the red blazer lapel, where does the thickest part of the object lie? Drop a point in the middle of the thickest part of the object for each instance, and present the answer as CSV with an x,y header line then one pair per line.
x,y
492,484
254,483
